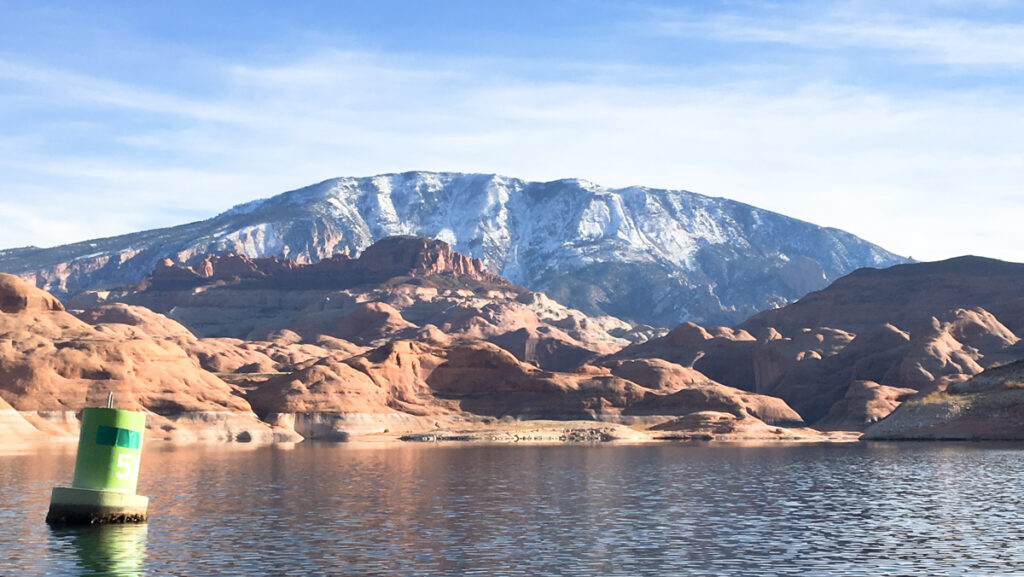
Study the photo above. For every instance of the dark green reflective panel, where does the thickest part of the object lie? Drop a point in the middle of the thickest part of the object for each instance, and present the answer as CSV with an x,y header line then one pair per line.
x,y
115,437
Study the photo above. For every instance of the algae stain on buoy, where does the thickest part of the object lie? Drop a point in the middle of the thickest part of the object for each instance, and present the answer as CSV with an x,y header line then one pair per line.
x,y
106,471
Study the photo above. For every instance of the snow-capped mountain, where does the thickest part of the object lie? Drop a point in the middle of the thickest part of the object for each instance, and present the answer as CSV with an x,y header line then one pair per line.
x,y
652,256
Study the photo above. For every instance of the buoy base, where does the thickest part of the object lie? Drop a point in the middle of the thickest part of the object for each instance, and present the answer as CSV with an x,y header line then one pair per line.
x,y
70,506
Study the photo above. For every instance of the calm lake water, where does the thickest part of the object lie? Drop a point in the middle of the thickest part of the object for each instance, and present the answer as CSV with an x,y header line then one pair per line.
x,y
672,509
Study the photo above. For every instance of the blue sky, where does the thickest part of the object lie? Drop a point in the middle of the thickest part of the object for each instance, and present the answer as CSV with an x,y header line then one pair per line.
x,y
900,124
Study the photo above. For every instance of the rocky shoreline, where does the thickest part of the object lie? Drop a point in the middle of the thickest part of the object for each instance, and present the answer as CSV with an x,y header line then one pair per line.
x,y
710,427
622,434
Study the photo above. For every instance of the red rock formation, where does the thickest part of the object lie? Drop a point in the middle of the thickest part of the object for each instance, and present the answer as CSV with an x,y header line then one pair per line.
x,y
719,426
418,256
487,380
386,381
906,296
153,324
51,361
682,390
388,258
544,347
472,382
17,296
364,323
813,370
865,403
169,275
399,288
724,355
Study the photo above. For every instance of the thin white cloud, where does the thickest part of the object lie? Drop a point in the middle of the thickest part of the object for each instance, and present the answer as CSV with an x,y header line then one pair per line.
x,y
83,90
947,41
897,171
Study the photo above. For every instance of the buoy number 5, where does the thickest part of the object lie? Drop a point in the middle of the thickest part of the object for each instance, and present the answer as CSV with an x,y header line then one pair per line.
x,y
127,466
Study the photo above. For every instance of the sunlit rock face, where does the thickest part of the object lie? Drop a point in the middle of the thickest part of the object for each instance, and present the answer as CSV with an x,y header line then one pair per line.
x,y
398,288
53,364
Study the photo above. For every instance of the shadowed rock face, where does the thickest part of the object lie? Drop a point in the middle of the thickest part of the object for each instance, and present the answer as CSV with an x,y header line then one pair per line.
x,y
546,347
775,356
906,296
865,403
989,406
927,360
721,353
821,372
921,327
683,390
815,384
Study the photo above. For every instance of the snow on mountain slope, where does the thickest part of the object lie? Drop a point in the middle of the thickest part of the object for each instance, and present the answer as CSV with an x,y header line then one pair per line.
x,y
652,256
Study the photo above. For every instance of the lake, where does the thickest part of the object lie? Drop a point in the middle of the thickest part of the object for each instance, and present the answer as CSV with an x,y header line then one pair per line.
x,y
421,509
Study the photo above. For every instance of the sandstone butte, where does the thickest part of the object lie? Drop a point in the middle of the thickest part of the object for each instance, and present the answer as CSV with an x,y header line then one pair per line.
x,y
836,379
839,358
419,340
415,340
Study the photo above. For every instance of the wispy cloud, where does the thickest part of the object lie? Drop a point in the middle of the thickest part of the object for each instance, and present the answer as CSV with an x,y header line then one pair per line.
x,y
858,25
70,88
897,170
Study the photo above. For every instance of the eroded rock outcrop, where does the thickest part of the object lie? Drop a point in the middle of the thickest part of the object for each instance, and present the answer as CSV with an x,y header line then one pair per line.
x,y
52,363
17,296
905,295
381,261
404,385
989,406
820,372
723,354
681,390
864,404
399,288
719,426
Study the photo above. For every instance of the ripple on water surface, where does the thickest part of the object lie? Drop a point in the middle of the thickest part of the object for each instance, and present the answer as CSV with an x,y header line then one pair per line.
x,y
319,509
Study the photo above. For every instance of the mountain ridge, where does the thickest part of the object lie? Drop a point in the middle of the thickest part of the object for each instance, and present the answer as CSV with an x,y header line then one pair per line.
x,y
653,256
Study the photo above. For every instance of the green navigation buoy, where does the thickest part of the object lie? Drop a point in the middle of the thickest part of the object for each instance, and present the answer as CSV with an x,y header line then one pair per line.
x,y
106,471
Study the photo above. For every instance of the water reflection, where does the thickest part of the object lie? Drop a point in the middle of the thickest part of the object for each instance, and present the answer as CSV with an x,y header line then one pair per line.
x,y
104,550
544,510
